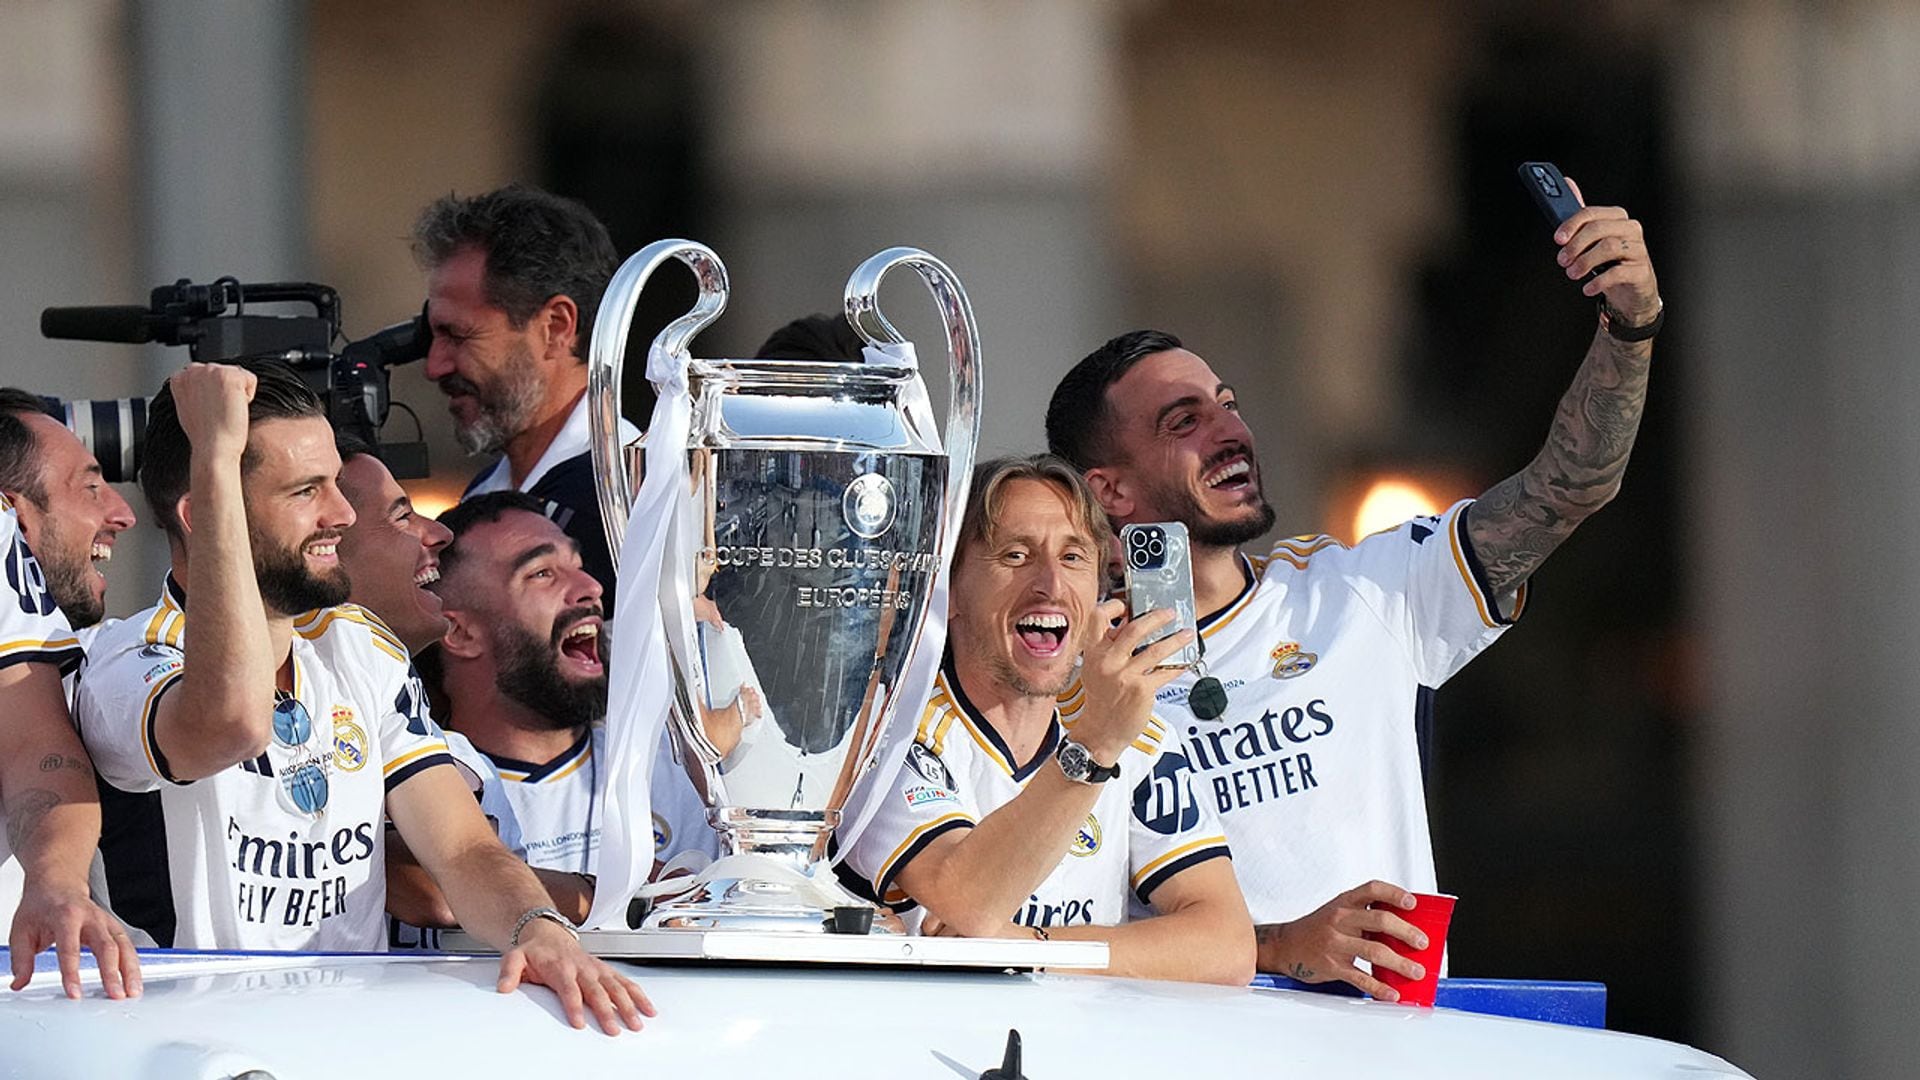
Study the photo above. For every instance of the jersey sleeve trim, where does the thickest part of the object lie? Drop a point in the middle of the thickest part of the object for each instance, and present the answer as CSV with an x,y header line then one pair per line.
x,y
1468,563
64,653
315,624
416,763
914,844
1159,871
149,727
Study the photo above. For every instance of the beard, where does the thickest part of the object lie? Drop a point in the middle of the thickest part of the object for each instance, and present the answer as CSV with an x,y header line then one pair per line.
x,y
1179,504
68,568
287,586
529,673
506,402
1002,669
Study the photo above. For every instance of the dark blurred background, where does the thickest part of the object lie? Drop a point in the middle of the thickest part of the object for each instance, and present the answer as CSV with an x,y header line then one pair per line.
x,y
1686,773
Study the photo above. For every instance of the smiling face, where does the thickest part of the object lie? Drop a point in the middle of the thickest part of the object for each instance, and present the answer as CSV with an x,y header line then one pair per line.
x,y
482,363
296,514
518,596
73,532
1182,453
392,554
1024,594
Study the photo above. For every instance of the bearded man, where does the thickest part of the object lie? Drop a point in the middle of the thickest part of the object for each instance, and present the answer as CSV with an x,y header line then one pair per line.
x,y
514,279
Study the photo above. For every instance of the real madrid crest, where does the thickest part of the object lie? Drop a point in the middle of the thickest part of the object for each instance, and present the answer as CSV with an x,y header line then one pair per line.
x,y
1290,662
1087,840
349,741
868,505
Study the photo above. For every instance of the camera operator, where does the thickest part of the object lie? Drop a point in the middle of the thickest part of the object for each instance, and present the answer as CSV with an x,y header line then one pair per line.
x,y
514,279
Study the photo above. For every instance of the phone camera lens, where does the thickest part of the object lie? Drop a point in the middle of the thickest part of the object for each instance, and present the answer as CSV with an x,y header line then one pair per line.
x,y
1140,558
1157,548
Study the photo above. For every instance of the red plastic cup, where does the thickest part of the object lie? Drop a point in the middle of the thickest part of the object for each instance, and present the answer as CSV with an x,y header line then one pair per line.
x,y
1432,912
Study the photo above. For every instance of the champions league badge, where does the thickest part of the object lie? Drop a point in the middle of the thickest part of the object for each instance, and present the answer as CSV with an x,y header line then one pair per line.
x,y
1289,662
868,505
930,768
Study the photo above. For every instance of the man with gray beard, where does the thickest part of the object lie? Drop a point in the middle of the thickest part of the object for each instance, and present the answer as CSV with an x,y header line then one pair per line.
x,y
514,279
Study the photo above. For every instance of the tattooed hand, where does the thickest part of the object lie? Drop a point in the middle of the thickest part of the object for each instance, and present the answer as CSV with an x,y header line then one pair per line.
x,y
1518,522
1323,946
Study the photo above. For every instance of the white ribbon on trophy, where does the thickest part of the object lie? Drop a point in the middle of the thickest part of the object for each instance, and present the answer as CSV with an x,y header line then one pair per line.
x,y
916,686
640,676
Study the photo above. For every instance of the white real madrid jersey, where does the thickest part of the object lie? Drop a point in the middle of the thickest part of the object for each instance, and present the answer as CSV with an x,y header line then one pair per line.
x,y
1326,658
557,803
32,630
1146,827
283,852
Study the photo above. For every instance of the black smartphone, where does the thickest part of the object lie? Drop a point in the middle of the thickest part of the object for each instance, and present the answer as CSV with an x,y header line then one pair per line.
x,y
1549,190
1556,200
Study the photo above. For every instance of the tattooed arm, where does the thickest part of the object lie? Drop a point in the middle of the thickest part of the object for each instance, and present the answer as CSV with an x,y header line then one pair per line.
x,y
53,825
1323,945
1520,520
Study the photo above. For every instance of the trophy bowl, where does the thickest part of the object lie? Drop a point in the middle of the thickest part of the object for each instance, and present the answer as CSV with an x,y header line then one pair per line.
x,y
811,507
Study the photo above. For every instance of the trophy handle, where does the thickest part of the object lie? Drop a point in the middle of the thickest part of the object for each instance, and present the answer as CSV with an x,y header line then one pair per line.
x,y
963,351
605,359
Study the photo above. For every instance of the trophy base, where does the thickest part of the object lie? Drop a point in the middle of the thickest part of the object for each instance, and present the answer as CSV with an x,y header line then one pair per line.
x,y
758,892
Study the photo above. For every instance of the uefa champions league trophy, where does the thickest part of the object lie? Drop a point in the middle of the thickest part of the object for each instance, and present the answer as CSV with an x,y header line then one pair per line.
x,y
801,548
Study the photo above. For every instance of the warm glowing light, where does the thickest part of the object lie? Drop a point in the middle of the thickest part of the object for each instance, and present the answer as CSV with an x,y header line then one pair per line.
x,y
432,503
1390,501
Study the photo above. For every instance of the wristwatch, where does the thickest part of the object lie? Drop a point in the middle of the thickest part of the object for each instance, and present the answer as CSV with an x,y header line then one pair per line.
x,y
1077,763
535,914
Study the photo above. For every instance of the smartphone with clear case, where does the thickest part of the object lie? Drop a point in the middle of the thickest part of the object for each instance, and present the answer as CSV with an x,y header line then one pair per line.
x,y
1157,563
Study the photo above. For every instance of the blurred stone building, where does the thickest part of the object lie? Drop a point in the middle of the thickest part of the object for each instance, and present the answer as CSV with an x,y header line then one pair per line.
x,y
1686,774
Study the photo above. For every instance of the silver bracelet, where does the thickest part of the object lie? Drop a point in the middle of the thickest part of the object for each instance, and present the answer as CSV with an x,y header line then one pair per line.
x,y
550,914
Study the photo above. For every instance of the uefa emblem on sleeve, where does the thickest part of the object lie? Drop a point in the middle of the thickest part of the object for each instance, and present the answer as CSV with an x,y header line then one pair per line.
x,y
868,505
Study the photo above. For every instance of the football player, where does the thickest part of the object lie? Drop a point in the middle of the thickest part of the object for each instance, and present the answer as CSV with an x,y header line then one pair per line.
x,y
1323,650
52,487
1003,821
250,763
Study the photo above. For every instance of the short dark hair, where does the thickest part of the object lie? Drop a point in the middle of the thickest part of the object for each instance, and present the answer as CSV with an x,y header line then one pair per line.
x,y
815,337
166,461
20,470
352,444
538,246
1079,418
470,514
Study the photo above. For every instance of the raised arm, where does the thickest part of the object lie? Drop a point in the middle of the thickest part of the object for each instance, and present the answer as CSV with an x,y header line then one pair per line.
x,y
491,892
53,826
1518,522
222,711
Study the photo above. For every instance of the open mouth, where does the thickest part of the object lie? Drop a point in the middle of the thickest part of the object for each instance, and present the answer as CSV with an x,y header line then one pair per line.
x,y
581,644
427,576
1042,633
327,550
1235,475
